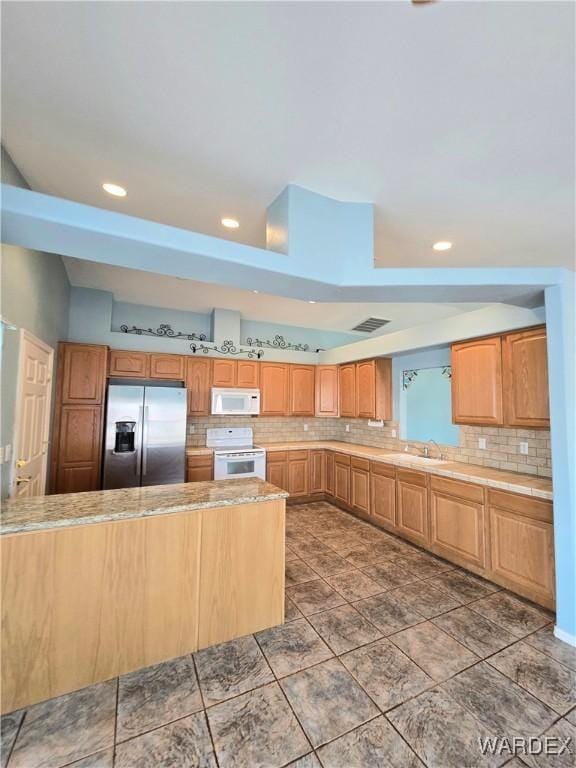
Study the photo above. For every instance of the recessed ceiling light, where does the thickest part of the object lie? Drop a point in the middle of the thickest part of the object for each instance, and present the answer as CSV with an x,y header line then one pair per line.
x,y
230,223
311,302
255,291
114,189
442,245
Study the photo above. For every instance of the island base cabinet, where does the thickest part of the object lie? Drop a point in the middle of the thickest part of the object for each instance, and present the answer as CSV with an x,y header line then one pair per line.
x,y
108,598
522,545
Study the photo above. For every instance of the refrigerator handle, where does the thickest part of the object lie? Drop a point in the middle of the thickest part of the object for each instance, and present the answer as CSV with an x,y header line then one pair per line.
x,y
145,439
139,440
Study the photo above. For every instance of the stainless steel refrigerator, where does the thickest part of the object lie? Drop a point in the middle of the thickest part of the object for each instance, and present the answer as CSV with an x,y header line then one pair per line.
x,y
145,436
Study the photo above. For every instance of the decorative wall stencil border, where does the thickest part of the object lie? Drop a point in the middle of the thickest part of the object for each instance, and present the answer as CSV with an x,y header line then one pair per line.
x,y
164,330
408,376
227,348
447,371
279,342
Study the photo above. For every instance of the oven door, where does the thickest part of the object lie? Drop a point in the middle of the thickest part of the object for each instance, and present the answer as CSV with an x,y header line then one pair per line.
x,y
239,465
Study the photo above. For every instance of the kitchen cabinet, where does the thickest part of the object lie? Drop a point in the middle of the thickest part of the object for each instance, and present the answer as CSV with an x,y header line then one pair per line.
x,y
457,522
199,468
374,389
330,473
525,367
298,473
274,389
247,374
317,471
477,382
347,384
167,367
78,418
277,468
360,485
198,383
342,478
522,545
235,373
224,373
301,390
83,372
327,390
383,494
412,506
128,364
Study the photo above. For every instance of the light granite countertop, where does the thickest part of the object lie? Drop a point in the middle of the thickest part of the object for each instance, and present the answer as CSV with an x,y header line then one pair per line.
x,y
530,485
68,509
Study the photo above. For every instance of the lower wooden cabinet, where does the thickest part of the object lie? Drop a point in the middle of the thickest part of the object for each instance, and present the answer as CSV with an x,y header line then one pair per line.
x,y
383,494
317,471
330,473
342,478
360,485
199,468
412,506
277,474
457,522
298,473
522,545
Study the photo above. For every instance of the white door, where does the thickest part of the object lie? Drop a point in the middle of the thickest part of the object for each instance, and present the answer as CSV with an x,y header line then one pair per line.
x,y
32,416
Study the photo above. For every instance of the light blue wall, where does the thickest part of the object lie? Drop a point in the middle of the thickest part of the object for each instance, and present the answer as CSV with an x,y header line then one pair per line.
x,y
561,327
124,313
316,339
35,296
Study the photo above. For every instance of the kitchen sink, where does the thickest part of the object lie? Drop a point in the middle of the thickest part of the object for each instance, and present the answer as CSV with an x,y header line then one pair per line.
x,y
409,458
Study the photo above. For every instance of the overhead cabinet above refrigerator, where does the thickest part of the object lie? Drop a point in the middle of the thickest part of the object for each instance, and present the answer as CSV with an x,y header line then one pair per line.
x,y
145,436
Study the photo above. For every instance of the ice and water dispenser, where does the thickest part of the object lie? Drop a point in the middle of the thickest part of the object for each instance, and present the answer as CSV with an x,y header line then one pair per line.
x,y
125,436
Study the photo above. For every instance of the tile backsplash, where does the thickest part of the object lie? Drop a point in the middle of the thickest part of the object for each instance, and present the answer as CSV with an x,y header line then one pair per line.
x,y
502,444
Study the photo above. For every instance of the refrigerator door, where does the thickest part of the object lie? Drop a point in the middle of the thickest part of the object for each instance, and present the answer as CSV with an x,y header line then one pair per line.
x,y
123,441
164,436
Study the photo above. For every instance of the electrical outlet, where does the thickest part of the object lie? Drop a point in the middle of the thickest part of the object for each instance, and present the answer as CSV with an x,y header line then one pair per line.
x,y
305,427
482,443
394,433
191,429
524,448
347,427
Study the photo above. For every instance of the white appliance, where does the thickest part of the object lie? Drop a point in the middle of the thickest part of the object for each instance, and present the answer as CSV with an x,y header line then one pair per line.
x,y
235,402
234,453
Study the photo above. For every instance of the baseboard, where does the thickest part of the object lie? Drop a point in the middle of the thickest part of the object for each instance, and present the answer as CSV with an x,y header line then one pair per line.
x,y
566,637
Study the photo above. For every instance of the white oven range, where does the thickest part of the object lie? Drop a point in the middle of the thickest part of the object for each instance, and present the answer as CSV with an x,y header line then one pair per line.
x,y
234,453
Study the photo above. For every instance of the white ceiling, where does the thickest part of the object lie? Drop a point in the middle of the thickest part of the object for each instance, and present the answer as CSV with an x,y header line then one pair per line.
x,y
456,118
138,287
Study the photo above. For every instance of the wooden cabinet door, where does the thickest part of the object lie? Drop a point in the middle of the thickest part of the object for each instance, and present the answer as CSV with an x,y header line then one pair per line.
x,y
525,366
298,473
301,390
327,390
366,389
383,495
224,373
277,474
457,522
247,374
317,471
522,545
342,478
199,468
127,364
167,367
412,506
274,387
329,473
83,373
78,479
79,443
360,485
198,379
477,382
347,384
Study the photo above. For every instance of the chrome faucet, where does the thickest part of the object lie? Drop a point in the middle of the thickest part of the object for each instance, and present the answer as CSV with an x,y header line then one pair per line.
x,y
440,456
426,450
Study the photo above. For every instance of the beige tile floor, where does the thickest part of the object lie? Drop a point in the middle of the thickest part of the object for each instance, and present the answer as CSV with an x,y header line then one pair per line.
x,y
389,658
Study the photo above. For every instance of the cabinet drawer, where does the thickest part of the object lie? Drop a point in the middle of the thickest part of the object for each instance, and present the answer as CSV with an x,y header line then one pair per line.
x,y
297,455
414,478
528,506
357,463
342,458
458,488
202,460
386,470
276,456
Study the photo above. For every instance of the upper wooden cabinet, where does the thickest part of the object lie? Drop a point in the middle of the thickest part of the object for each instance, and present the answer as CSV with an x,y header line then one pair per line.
x,y
275,387
477,382
301,390
198,379
326,390
167,367
128,364
502,380
235,373
525,366
82,371
347,383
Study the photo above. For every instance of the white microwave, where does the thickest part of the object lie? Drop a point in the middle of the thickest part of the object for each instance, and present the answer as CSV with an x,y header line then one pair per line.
x,y
235,402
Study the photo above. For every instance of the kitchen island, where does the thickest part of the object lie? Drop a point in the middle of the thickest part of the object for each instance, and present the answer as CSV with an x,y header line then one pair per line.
x,y
101,583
